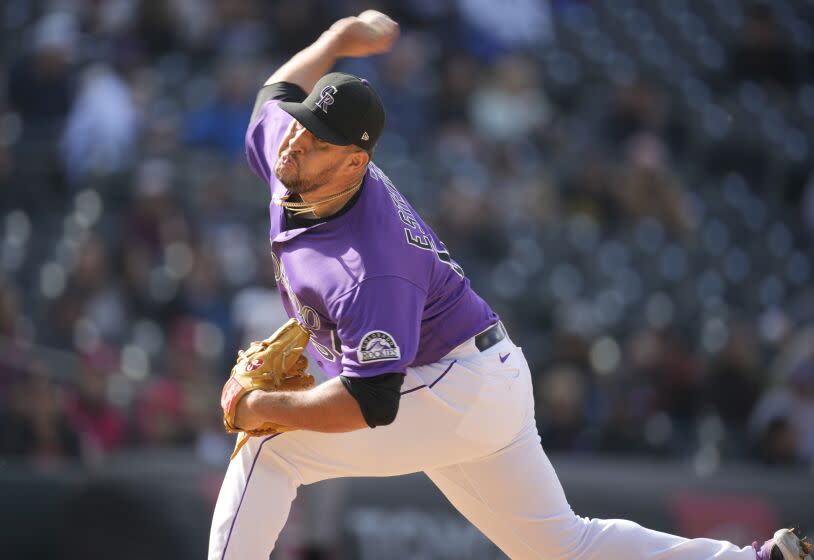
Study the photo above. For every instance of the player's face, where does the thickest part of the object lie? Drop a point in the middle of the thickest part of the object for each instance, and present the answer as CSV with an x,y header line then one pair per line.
x,y
305,163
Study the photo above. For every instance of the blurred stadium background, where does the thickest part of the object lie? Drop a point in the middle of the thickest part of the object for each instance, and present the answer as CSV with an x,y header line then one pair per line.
x,y
628,182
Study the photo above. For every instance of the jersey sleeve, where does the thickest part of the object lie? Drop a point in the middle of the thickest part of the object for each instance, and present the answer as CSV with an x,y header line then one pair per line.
x,y
378,396
378,325
268,125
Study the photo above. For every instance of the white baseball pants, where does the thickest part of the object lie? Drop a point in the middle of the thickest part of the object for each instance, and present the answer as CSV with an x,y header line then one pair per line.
x,y
467,421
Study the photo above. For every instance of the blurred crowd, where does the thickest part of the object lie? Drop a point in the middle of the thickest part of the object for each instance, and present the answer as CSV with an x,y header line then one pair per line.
x,y
628,182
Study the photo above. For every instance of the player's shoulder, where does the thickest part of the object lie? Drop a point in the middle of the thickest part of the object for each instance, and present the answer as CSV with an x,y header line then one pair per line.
x,y
394,206
387,210
390,231
268,119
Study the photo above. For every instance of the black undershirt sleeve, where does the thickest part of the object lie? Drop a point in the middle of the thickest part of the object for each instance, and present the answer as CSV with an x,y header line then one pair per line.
x,y
378,396
283,91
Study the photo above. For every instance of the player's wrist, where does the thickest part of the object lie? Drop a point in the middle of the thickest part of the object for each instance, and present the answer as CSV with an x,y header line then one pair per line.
x,y
339,39
332,42
246,416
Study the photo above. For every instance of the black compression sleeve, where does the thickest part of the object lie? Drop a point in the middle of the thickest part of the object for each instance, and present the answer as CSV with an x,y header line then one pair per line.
x,y
284,91
378,396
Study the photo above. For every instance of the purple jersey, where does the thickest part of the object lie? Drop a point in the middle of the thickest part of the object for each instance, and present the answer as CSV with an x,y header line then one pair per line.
x,y
374,285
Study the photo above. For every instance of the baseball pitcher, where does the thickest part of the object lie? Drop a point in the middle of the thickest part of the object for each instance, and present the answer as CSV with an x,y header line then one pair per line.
x,y
422,374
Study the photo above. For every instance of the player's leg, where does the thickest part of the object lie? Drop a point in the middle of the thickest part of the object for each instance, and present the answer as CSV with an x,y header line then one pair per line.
x,y
251,486
515,498
261,482
432,428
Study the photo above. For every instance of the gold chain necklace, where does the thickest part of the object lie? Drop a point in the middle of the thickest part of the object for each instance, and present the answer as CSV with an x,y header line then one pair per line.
x,y
310,207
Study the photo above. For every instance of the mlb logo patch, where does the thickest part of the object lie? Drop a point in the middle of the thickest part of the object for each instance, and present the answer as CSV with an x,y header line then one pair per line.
x,y
377,346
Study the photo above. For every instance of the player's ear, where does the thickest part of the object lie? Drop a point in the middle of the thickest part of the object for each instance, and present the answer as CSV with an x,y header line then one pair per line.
x,y
358,160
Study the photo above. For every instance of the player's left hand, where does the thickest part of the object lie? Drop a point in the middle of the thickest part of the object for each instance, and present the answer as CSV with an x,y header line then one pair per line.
x,y
369,33
274,364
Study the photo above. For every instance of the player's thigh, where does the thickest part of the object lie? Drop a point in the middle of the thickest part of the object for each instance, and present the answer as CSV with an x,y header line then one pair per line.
x,y
450,412
422,436
514,497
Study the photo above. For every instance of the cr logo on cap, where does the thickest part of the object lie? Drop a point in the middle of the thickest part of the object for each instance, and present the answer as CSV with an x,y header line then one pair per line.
x,y
326,97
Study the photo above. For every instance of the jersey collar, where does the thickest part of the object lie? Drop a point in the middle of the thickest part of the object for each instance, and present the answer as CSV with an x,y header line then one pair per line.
x,y
280,235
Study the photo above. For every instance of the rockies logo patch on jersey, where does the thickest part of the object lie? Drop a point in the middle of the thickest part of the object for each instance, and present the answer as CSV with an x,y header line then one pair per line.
x,y
377,346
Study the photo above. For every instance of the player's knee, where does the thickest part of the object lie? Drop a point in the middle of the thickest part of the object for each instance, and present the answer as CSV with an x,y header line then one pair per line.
x,y
564,535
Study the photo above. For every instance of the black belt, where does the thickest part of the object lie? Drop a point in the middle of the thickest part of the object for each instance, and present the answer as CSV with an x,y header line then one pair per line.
x,y
490,336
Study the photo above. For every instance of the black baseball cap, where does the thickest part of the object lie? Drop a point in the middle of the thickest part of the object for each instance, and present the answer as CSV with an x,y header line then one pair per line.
x,y
342,109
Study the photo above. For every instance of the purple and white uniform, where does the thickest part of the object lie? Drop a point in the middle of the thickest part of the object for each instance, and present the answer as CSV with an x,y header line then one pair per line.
x,y
375,285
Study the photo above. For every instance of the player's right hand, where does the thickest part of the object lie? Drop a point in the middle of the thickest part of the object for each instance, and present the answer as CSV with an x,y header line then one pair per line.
x,y
369,33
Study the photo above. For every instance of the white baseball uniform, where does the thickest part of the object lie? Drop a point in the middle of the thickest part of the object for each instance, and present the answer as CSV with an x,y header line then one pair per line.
x,y
468,422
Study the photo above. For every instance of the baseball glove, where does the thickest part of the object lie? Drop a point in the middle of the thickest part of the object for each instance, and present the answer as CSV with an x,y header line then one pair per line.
x,y
274,364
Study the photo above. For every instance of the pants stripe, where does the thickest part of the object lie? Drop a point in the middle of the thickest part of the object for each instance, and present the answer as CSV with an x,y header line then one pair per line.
x,y
248,478
431,385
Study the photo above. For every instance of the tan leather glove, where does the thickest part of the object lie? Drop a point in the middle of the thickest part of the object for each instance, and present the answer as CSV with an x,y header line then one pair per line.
x,y
274,364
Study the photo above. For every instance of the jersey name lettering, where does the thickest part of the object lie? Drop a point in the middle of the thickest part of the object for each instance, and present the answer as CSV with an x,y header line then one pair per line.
x,y
414,233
